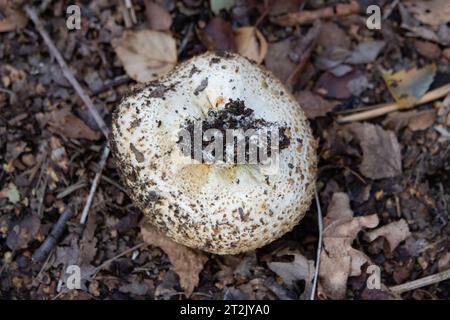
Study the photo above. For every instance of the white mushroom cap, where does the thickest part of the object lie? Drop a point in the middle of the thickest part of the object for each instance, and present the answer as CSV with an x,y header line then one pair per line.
x,y
223,209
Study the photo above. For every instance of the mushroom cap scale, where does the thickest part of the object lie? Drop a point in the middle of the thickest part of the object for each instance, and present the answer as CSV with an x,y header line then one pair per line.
x,y
219,208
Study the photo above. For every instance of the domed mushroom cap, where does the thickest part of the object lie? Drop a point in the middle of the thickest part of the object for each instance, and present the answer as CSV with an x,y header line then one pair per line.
x,y
220,208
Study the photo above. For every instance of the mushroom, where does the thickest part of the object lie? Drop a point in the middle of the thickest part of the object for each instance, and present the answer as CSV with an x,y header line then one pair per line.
x,y
220,207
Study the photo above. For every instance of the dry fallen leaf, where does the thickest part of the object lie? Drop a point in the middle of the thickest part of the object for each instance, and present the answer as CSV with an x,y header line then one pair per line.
x,y
23,232
278,60
432,12
158,18
337,87
415,120
218,35
291,272
408,86
381,151
394,232
146,54
251,43
313,104
338,259
67,124
186,262
14,20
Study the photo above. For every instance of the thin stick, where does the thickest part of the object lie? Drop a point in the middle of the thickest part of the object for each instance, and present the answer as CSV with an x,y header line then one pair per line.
x,y
84,97
309,16
66,71
51,241
107,262
419,283
101,165
319,246
385,108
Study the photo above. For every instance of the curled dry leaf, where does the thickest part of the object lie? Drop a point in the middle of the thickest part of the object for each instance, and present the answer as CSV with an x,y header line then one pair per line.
x,y
313,104
381,151
67,124
407,86
394,232
291,272
338,259
186,262
158,18
146,54
251,43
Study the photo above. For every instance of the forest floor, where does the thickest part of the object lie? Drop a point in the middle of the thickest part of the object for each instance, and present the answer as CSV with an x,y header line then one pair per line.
x,y
384,180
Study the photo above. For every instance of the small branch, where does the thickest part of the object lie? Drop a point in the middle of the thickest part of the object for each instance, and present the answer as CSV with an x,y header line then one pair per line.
x,y
107,262
419,283
84,97
101,165
51,241
109,84
319,246
385,108
309,16
66,71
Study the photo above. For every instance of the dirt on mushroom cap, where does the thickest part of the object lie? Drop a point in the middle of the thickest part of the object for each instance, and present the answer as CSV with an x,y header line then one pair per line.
x,y
222,209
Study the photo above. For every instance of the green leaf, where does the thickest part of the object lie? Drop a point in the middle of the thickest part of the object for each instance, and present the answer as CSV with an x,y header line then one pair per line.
x,y
217,5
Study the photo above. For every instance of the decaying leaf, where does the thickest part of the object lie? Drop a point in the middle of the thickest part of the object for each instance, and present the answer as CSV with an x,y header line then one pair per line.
x,y
186,262
365,52
23,232
14,20
407,86
146,54
394,232
415,120
313,104
67,124
251,43
338,259
381,151
432,12
218,35
158,18
291,272
337,87
278,60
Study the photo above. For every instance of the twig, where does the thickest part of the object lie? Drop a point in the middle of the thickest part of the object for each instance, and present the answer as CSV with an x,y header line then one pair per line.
x,y
101,165
109,84
84,97
319,246
309,16
385,108
66,71
419,283
444,132
107,262
52,240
